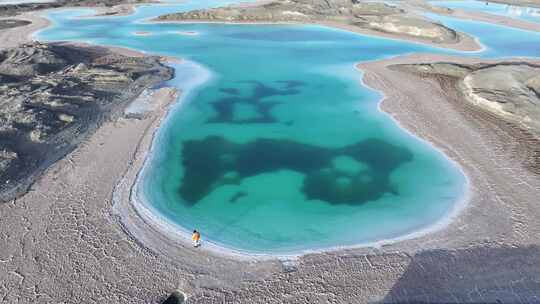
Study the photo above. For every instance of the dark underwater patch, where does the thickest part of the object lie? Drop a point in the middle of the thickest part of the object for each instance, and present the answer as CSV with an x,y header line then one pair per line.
x,y
232,91
214,161
231,98
237,196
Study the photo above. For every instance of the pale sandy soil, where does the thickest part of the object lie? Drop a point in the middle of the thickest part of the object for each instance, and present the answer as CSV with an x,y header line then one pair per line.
x,y
65,242
474,16
23,34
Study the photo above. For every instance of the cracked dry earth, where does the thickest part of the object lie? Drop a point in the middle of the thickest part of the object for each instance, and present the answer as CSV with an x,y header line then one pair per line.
x,y
62,244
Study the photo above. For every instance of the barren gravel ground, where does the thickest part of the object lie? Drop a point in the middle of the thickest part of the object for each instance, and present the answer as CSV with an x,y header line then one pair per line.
x,y
18,35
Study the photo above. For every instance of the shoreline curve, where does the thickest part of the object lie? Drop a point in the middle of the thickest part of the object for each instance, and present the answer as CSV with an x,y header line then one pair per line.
x,y
178,234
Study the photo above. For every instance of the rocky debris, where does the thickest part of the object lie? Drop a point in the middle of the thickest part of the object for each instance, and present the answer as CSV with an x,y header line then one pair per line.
x,y
176,297
15,9
11,23
290,266
510,90
372,16
52,96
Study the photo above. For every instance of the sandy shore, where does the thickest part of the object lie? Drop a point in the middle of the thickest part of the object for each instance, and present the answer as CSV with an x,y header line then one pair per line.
x,y
482,144
23,34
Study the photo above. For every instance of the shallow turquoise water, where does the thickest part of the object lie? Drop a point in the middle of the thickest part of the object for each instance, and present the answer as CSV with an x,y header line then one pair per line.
x,y
276,147
498,41
519,12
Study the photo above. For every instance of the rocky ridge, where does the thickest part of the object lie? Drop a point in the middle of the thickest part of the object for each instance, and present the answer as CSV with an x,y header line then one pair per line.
x,y
505,91
372,16
508,89
52,96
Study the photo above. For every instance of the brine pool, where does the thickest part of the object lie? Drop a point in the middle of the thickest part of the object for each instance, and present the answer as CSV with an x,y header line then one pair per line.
x,y
275,146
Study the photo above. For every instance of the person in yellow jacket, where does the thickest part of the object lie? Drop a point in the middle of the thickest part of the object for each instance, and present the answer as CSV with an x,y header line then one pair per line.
x,y
196,237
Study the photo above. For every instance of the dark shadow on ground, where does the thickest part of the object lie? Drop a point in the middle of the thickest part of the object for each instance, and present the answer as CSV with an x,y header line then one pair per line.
x,y
475,275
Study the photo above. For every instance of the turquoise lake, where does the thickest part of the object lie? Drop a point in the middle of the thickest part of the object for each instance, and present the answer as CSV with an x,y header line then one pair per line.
x,y
276,146
531,14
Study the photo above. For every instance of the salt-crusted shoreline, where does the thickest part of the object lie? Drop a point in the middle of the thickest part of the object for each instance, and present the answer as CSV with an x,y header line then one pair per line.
x,y
129,205
409,102
182,239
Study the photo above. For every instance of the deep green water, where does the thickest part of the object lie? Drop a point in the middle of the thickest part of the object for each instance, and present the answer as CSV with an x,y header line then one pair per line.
x,y
275,146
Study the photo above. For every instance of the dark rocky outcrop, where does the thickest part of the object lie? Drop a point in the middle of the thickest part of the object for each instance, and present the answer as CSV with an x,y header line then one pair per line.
x,y
52,96
176,297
